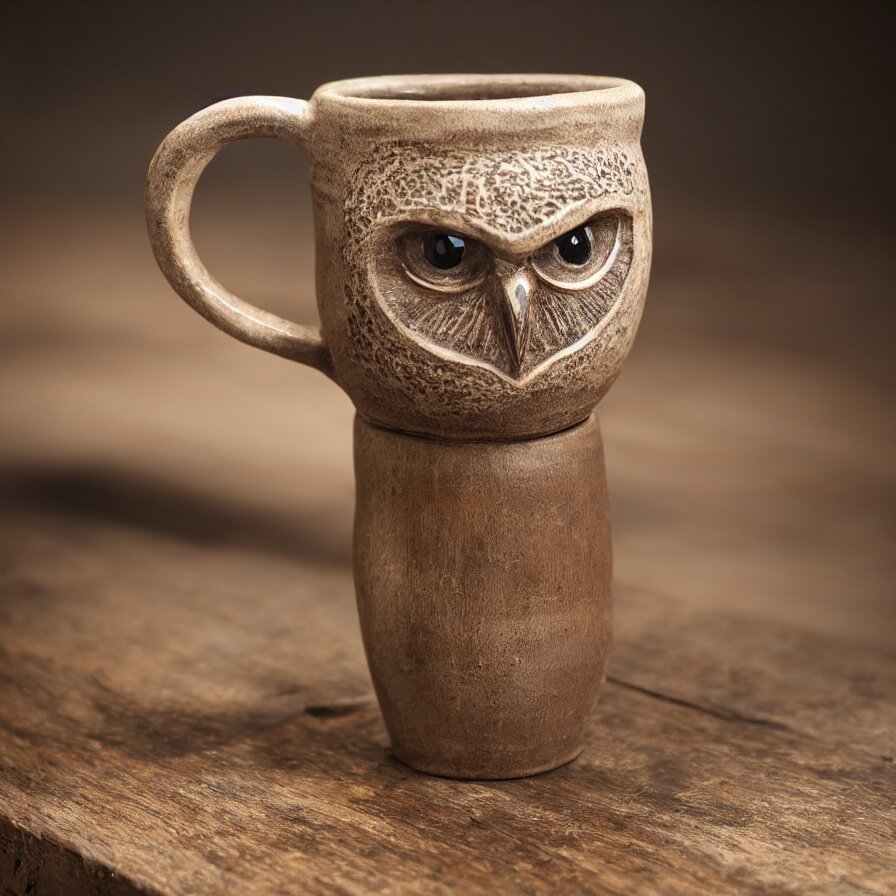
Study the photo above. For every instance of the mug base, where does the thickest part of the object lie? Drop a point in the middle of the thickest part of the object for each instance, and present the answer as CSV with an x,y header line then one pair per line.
x,y
486,773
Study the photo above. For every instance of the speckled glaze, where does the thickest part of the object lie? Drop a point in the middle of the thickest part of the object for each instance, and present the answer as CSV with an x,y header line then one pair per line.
x,y
515,161
482,551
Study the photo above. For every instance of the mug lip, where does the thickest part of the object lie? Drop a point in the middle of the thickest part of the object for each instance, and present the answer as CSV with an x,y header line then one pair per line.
x,y
511,91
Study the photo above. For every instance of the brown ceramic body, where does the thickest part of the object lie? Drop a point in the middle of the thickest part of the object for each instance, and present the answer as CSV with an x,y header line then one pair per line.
x,y
482,553
482,573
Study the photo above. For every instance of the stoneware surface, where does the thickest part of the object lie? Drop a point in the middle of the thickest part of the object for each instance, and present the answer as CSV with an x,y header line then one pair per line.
x,y
483,251
515,343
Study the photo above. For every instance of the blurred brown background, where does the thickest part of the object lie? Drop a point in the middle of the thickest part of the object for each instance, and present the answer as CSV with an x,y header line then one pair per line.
x,y
749,439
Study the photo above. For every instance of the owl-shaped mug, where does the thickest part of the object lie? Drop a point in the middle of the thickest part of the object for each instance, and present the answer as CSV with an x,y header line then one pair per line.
x,y
483,243
483,249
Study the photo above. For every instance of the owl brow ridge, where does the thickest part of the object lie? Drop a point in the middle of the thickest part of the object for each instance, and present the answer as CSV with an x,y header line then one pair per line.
x,y
509,191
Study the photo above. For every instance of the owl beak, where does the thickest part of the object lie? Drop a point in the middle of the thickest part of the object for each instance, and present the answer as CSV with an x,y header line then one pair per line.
x,y
516,293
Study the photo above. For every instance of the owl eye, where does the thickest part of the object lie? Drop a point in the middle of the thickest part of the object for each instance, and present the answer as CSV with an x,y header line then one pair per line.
x,y
442,261
580,257
444,250
575,247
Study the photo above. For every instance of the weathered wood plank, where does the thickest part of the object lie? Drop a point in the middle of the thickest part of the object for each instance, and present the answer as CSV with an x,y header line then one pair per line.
x,y
184,704
191,740
762,671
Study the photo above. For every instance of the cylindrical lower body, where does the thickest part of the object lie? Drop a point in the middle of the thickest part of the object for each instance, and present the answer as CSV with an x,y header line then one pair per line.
x,y
482,573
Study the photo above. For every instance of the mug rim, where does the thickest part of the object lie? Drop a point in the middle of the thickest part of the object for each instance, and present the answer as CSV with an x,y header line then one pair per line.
x,y
480,91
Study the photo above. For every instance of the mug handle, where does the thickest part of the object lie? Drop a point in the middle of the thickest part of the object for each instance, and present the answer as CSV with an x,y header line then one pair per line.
x,y
170,182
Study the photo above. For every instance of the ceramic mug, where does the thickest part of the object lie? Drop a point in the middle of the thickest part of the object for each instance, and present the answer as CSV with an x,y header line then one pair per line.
x,y
533,189
483,249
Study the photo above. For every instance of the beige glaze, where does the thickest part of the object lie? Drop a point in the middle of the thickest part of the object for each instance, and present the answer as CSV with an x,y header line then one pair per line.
x,y
511,161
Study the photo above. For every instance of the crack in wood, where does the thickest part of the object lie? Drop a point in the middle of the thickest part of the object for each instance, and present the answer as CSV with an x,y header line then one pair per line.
x,y
338,708
718,712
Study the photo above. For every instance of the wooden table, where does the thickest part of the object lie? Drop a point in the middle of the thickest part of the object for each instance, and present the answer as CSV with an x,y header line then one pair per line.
x,y
184,704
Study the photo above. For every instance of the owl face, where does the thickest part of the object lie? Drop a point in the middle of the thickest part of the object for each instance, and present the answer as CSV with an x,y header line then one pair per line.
x,y
510,305
484,291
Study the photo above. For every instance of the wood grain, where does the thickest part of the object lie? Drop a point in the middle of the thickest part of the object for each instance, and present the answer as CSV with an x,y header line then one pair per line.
x,y
184,702
219,745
